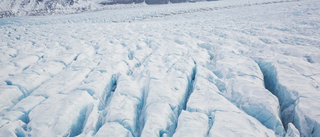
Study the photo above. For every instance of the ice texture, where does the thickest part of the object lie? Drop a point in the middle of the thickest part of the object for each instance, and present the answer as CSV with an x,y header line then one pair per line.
x,y
10,95
113,129
296,95
221,68
192,124
223,117
292,131
244,87
61,115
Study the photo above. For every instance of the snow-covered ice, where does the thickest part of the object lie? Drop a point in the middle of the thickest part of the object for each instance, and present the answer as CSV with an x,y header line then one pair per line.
x,y
220,68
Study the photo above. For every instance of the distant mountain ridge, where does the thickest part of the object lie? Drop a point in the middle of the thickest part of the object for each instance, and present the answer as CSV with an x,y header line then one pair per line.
x,y
9,8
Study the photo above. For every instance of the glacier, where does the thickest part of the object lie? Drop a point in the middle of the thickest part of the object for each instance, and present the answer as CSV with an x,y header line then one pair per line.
x,y
220,68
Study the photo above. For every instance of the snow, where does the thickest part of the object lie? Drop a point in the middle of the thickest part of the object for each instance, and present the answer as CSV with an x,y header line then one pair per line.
x,y
221,68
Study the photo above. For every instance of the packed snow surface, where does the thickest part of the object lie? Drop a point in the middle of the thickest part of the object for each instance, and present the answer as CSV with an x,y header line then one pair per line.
x,y
223,68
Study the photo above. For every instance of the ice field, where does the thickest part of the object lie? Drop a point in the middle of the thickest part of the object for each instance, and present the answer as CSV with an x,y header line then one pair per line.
x,y
224,68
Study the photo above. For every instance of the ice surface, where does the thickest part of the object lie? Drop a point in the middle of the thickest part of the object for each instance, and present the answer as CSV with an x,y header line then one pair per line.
x,y
222,114
245,88
222,68
292,131
113,129
28,103
234,124
60,115
192,124
13,129
9,95
158,120
296,96
125,105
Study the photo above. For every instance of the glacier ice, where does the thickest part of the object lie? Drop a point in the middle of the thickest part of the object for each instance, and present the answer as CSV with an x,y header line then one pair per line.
x,y
295,93
12,129
192,124
292,131
221,114
125,105
113,129
245,88
10,95
191,69
61,115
